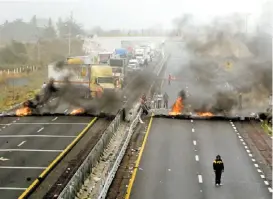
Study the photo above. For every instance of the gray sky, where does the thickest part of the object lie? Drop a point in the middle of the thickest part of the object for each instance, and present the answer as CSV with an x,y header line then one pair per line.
x,y
124,13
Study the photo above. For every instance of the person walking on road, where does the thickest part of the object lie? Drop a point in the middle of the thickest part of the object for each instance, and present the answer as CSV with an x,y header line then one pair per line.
x,y
166,98
218,167
169,79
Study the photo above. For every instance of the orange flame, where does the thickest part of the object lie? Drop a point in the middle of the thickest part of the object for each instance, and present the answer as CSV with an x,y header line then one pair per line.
x,y
23,111
205,114
177,107
77,111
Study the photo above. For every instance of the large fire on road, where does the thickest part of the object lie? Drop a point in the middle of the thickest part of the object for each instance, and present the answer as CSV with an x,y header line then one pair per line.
x,y
205,114
23,111
177,107
77,111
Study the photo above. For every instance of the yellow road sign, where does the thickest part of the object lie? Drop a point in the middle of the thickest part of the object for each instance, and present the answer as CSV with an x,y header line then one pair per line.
x,y
229,65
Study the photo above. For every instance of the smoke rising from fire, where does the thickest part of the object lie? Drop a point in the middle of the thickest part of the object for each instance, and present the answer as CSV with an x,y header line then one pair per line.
x,y
223,62
111,102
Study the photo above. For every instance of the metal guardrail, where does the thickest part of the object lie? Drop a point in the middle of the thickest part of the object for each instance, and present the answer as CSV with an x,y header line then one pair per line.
x,y
70,191
119,157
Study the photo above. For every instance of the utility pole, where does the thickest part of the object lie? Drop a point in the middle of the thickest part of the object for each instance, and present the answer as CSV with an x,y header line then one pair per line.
x,y
38,50
69,34
246,21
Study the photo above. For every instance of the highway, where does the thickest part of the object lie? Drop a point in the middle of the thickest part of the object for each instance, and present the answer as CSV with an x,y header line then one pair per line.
x,y
177,158
28,146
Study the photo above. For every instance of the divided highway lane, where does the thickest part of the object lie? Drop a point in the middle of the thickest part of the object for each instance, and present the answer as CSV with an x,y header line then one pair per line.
x,y
29,144
240,179
168,168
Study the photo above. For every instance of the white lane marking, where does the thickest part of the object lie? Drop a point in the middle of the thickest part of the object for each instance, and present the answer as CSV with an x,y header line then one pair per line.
x,y
256,165
259,170
191,120
270,189
246,147
192,130
241,140
12,188
232,125
14,121
239,136
194,142
49,136
23,142
11,167
40,130
3,159
65,110
248,151
54,119
266,183
48,123
253,160
197,158
244,143
262,176
4,127
200,179
235,130
250,155
29,150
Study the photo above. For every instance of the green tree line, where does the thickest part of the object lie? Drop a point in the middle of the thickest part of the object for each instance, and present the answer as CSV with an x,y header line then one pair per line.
x,y
38,41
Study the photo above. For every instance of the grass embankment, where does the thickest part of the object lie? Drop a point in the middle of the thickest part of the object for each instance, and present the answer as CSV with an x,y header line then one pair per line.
x,y
267,128
15,94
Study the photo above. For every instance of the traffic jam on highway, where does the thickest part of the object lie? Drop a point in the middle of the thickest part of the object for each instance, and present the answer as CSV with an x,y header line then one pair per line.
x,y
84,94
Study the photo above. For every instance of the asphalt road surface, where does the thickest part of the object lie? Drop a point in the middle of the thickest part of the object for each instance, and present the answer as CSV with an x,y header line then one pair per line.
x,y
177,162
29,144
178,156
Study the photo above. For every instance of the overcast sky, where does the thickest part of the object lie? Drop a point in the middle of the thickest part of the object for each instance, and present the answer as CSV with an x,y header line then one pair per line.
x,y
123,13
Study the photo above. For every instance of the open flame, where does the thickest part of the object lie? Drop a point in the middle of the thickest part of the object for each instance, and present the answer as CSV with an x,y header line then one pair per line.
x,y
77,111
23,111
177,107
204,114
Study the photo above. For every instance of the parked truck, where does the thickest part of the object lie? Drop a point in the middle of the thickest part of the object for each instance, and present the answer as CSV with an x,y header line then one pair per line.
x,y
104,57
141,56
92,79
119,71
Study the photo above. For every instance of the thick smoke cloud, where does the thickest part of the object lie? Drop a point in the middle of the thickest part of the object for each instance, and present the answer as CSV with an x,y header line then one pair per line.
x,y
224,62
110,103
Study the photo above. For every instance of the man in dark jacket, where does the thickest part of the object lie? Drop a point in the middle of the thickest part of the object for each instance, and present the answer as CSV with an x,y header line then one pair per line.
x,y
218,167
166,98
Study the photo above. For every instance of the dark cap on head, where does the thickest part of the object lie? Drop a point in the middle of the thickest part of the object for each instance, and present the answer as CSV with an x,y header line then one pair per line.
x,y
218,157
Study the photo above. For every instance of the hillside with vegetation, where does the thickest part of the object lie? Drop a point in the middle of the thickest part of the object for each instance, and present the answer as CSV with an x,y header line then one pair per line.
x,y
38,42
